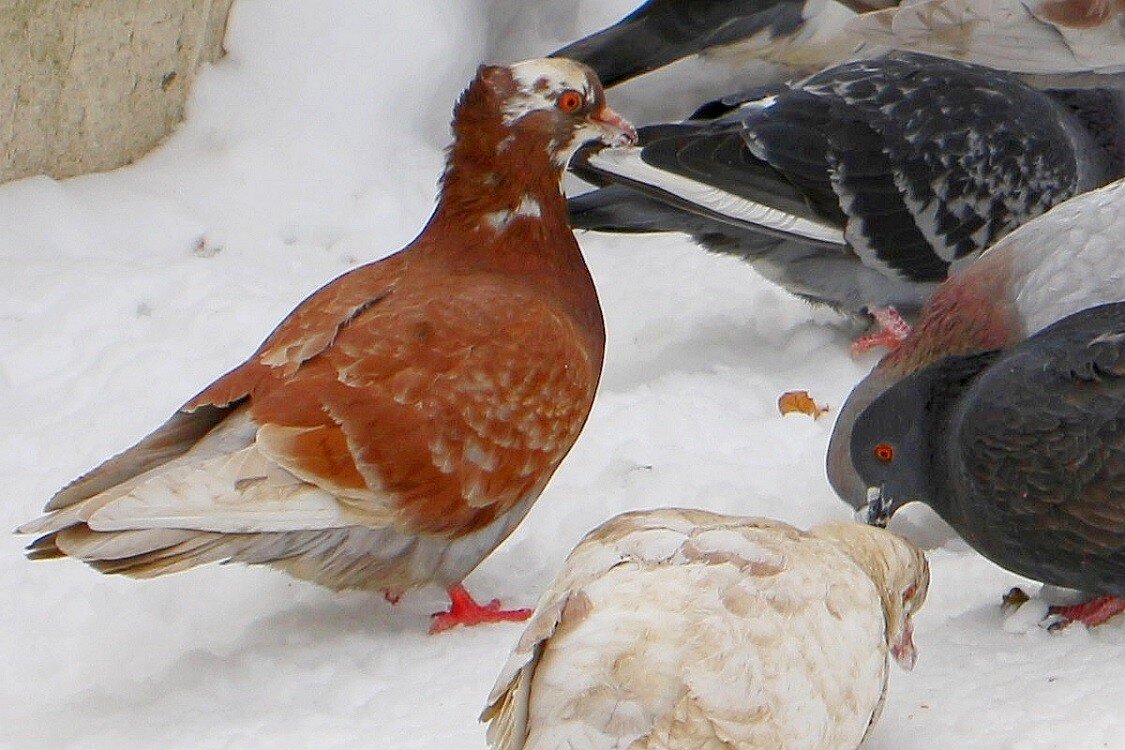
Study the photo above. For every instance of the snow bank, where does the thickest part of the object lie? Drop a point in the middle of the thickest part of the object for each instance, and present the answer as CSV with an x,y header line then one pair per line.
x,y
316,145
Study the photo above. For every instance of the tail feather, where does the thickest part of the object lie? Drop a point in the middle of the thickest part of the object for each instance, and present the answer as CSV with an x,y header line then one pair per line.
x,y
217,499
148,553
199,550
44,548
708,173
172,439
341,558
85,544
621,209
144,553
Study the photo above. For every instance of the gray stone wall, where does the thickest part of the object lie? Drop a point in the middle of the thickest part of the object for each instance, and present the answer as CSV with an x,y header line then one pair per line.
x,y
88,85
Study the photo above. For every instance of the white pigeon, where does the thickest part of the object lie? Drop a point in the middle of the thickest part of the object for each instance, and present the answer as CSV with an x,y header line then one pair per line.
x,y
1024,36
681,628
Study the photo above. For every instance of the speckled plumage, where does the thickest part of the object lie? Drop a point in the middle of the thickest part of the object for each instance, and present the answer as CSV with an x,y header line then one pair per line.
x,y
398,424
861,187
1068,259
1022,451
682,628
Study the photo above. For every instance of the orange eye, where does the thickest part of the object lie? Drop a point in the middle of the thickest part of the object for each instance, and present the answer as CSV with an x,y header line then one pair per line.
x,y
569,101
884,453
911,590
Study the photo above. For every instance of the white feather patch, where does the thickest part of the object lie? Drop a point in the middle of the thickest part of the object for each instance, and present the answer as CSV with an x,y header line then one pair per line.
x,y
1005,34
1068,259
627,163
240,493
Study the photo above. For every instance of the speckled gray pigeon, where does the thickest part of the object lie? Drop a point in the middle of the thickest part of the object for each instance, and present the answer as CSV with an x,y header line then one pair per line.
x,y
863,186
1021,451
1071,258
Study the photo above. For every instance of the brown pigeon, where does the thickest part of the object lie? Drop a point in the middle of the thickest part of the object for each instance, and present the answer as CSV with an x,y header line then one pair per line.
x,y
400,422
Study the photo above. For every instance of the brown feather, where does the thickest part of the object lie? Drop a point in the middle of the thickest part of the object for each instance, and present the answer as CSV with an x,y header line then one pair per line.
x,y
319,454
1080,14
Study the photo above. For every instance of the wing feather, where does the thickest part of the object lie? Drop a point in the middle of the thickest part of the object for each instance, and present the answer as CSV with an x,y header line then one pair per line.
x,y
1041,434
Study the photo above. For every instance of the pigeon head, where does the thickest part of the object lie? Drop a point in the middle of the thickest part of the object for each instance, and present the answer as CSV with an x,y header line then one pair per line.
x,y
514,129
843,477
899,571
889,448
565,98
557,102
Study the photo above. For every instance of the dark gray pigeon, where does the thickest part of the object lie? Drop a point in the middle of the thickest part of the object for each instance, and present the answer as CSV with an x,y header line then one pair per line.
x,y
1021,451
801,34
863,186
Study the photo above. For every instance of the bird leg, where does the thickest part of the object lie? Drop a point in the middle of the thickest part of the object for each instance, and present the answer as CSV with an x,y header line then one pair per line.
x,y
1091,613
463,610
893,329
393,597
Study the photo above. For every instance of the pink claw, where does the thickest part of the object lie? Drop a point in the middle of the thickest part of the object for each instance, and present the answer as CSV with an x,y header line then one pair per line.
x,y
893,330
1091,613
463,610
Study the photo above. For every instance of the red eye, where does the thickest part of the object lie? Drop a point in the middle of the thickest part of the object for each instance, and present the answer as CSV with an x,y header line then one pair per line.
x,y
569,101
909,593
884,453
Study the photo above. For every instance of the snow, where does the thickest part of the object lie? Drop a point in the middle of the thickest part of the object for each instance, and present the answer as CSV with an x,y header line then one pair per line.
x,y
313,146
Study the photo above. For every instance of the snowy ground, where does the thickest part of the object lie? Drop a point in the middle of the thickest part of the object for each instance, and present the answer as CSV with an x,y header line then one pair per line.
x,y
314,146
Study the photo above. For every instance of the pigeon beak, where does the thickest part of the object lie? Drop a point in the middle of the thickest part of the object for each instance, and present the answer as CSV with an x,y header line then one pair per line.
x,y
616,130
903,648
877,511
860,514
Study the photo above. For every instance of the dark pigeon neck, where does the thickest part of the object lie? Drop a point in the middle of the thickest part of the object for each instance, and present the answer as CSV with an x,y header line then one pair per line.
x,y
949,380
1102,110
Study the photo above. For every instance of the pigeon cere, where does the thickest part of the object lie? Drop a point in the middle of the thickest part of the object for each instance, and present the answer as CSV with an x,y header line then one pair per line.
x,y
506,460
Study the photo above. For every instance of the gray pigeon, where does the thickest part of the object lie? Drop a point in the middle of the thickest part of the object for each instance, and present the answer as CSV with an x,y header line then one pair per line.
x,y
1021,451
865,185
1068,259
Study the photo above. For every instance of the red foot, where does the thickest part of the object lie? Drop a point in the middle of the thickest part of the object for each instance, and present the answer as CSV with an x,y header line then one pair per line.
x,y
463,610
1091,613
892,331
392,596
